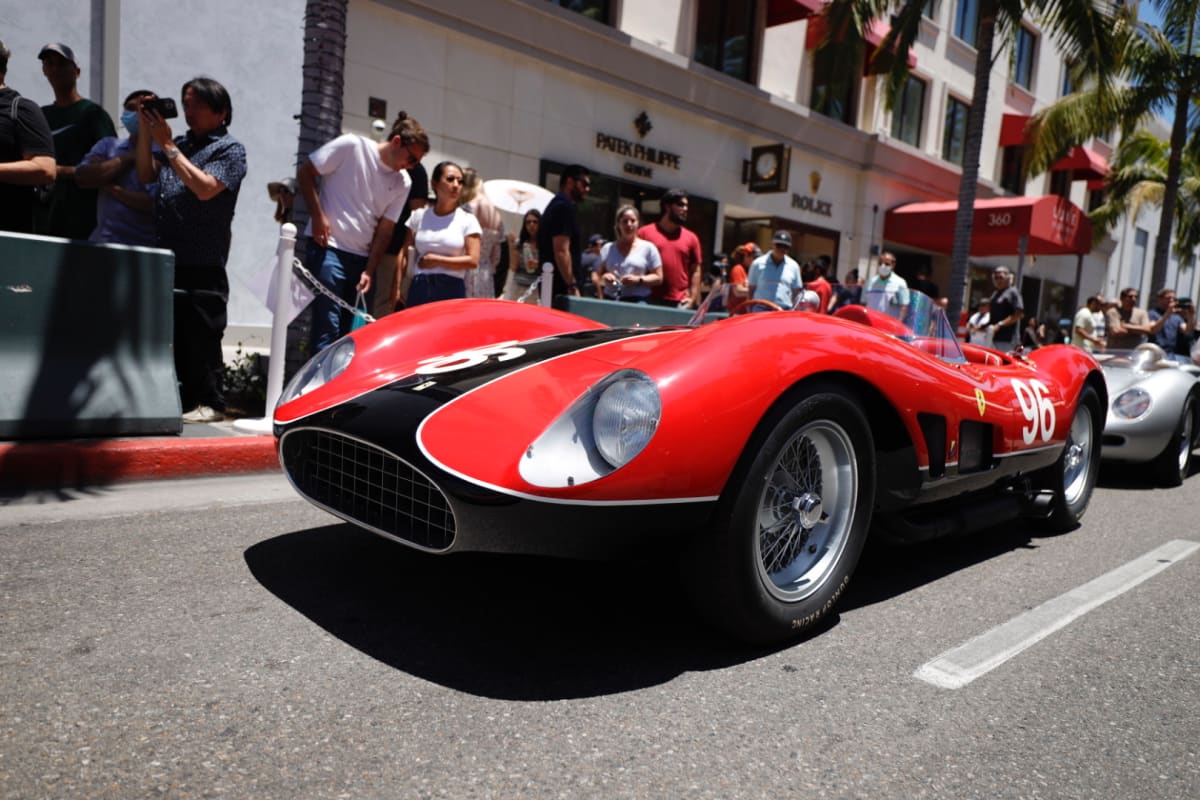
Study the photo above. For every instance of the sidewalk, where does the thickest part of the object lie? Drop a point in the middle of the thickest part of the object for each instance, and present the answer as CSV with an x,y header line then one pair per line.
x,y
201,450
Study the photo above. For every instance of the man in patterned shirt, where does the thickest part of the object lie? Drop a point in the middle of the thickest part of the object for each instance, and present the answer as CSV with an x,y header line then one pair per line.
x,y
198,174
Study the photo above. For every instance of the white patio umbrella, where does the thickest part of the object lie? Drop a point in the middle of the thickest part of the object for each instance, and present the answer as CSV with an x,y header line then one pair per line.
x,y
516,197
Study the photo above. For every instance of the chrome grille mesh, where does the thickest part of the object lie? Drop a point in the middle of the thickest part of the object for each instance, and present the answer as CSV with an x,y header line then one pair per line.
x,y
368,485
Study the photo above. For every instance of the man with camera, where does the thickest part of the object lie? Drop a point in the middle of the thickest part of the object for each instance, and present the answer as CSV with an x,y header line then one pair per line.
x,y
1172,323
199,174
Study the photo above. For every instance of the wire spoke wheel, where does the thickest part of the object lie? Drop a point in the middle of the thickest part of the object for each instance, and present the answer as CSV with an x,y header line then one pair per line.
x,y
806,510
1078,455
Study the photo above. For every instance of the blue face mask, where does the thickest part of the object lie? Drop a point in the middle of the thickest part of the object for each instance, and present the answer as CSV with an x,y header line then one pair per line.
x,y
130,120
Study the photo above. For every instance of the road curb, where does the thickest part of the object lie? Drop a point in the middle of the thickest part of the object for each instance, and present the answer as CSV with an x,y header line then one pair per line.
x,y
89,462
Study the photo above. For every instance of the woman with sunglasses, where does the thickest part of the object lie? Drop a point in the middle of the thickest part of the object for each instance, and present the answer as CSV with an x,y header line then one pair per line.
x,y
364,188
446,240
523,266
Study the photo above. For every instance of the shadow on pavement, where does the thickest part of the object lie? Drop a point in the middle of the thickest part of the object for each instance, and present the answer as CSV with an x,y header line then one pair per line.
x,y
508,627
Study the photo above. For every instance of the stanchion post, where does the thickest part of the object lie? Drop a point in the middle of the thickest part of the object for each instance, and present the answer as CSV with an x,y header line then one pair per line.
x,y
547,287
285,253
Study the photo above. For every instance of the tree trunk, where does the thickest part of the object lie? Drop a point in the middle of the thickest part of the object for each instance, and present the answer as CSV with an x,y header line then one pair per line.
x,y
323,75
967,187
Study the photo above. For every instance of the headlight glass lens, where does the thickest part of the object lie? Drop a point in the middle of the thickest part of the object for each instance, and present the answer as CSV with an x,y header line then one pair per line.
x,y
1131,403
320,369
626,416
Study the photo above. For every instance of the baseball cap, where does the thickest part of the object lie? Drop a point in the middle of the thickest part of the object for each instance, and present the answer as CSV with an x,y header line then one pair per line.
x,y
274,188
595,239
782,237
61,49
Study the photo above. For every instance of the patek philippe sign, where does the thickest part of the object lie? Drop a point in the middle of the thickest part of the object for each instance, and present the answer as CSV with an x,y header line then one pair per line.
x,y
649,157
810,202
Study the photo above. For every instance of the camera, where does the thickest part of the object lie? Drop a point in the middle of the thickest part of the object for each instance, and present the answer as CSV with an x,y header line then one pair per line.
x,y
1183,303
165,106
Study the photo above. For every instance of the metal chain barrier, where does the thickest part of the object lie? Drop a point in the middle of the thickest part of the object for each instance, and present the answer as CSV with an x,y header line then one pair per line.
x,y
314,284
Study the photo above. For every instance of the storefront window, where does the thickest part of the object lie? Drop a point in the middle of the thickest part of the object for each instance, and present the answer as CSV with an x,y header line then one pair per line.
x,y
910,111
725,36
597,214
954,135
592,9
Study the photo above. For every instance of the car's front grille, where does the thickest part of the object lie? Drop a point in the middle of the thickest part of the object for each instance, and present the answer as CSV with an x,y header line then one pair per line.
x,y
368,485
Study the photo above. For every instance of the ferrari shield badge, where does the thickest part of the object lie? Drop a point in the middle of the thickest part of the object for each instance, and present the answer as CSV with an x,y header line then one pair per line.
x,y
979,401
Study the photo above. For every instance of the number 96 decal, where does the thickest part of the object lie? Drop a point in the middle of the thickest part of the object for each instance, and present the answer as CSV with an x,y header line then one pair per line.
x,y
1037,409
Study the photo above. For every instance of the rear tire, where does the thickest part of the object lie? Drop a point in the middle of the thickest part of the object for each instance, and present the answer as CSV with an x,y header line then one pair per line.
x,y
1073,476
1173,464
792,522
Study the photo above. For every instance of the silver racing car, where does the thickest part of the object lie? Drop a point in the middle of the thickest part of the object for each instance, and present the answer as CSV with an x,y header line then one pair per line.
x,y
1153,411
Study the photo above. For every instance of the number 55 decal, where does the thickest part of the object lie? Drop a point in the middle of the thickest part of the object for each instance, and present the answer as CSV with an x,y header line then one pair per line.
x,y
1037,410
465,359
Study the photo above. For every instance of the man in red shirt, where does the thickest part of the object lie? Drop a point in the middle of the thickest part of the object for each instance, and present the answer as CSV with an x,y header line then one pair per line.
x,y
680,251
814,277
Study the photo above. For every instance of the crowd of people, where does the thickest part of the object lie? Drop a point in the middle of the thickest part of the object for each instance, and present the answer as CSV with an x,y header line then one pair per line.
x,y
64,172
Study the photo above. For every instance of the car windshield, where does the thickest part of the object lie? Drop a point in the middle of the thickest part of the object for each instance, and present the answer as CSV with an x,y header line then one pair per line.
x,y
922,322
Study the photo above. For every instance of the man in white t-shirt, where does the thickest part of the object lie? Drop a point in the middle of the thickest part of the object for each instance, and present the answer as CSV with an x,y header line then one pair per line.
x,y
364,189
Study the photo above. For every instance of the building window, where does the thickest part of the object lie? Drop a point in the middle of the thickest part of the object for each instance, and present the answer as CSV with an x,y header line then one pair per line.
x,y
1096,199
1060,183
1137,264
1010,170
1022,70
954,135
725,36
592,9
1068,80
909,112
833,88
966,21
929,9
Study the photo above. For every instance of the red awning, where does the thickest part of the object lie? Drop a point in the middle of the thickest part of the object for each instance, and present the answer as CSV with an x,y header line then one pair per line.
x,y
874,36
1054,225
1012,130
780,12
1084,162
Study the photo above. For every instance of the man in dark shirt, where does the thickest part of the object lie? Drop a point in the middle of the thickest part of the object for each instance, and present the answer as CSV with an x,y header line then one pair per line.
x,y
199,174
77,124
386,274
26,154
558,233
1007,310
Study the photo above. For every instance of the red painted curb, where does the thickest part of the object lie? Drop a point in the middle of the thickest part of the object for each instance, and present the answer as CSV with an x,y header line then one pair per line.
x,y
37,464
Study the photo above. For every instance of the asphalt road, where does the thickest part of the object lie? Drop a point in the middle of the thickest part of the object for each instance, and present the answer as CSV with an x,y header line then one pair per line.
x,y
219,638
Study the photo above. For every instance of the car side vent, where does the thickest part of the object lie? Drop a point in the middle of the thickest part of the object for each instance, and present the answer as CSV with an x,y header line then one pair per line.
x,y
933,428
974,446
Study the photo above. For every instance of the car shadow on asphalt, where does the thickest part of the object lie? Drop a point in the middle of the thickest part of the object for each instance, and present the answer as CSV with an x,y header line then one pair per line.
x,y
506,627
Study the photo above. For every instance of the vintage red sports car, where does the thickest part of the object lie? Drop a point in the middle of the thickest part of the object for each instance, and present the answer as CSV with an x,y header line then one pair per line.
x,y
761,448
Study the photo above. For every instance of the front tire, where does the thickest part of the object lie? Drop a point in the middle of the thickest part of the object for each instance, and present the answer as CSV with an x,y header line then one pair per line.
x,y
1172,465
1073,476
792,523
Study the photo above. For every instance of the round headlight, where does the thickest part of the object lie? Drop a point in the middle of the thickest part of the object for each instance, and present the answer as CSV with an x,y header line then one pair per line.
x,y
1131,403
320,369
625,418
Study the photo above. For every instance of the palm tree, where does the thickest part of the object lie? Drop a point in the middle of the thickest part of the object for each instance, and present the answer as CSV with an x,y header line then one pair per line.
x,y
1162,67
323,78
1138,177
1080,28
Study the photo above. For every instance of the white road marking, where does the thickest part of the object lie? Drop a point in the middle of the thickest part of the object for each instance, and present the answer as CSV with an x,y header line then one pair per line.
x,y
957,667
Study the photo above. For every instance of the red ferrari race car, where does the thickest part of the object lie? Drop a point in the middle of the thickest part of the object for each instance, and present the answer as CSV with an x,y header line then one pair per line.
x,y
762,448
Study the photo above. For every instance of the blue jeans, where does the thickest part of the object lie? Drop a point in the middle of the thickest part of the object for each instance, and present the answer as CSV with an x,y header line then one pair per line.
x,y
339,271
429,287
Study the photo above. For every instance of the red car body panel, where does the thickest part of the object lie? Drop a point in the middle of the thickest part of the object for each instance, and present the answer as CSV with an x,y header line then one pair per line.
x,y
716,383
